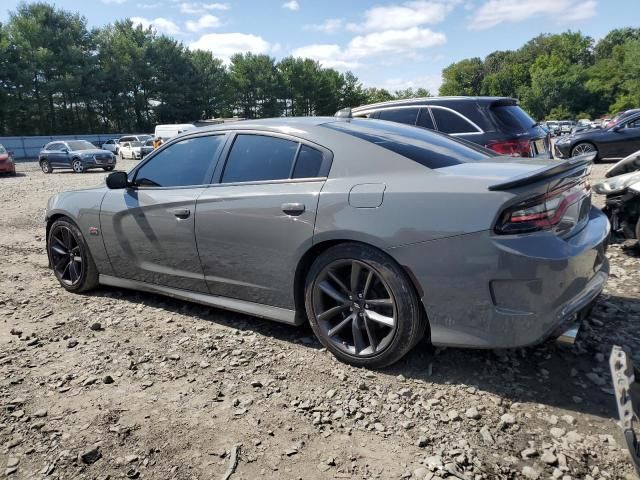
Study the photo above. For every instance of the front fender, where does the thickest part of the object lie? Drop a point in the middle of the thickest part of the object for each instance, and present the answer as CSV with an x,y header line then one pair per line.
x,y
82,207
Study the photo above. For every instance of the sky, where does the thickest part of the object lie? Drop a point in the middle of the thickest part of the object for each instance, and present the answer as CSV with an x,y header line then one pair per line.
x,y
387,44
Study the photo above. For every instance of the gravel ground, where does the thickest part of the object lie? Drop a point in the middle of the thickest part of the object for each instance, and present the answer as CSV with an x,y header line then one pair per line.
x,y
120,384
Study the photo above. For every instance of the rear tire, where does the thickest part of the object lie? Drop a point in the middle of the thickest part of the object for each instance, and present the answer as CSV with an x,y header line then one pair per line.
x,y
107,169
45,166
70,258
370,318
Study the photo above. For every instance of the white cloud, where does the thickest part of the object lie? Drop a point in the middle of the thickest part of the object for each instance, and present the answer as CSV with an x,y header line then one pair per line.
x,y
406,15
116,2
149,6
292,5
330,25
196,8
204,22
224,45
160,24
495,12
388,42
329,55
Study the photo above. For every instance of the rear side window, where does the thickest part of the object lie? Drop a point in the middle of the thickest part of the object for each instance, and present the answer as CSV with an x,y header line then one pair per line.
x,y
400,115
428,148
514,119
254,158
450,122
308,163
425,119
186,162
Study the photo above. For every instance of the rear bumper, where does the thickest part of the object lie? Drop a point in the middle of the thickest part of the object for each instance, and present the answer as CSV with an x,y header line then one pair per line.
x,y
486,291
7,167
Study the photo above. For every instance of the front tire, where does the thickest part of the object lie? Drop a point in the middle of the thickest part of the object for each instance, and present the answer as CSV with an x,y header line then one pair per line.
x,y
70,258
583,147
46,166
107,169
362,306
77,166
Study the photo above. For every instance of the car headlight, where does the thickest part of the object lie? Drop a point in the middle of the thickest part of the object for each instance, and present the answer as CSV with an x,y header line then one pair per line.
x,y
616,184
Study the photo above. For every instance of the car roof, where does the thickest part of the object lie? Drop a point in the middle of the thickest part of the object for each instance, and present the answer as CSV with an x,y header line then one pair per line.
x,y
282,125
452,100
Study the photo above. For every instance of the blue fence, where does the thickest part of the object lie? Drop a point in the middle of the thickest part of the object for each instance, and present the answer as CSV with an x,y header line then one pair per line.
x,y
27,148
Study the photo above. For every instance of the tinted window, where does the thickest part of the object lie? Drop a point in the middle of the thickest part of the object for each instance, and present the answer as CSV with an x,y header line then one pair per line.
x,y
308,163
54,147
180,164
425,119
2,150
259,157
513,119
635,123
449,122
400,115
428,148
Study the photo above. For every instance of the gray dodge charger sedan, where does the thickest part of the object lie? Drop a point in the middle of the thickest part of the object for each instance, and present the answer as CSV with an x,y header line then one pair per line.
x,y
376,233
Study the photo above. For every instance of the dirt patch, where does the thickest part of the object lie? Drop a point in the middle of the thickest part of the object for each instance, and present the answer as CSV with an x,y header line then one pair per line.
x,y
120,384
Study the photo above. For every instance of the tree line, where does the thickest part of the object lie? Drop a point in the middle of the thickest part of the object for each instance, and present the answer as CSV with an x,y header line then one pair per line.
x,y
57,76
563,76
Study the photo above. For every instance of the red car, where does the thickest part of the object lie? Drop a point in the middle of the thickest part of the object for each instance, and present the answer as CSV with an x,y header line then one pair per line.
x,y
6,162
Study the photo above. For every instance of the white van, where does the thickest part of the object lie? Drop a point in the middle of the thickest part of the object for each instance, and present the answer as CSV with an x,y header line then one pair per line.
x,y
168,131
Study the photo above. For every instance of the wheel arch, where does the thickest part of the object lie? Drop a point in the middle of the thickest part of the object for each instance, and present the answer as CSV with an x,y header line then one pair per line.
x,y
316,250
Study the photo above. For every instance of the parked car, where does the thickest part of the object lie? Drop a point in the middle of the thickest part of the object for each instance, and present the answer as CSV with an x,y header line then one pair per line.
x,y
146,148
169,131
554,127
374,232
566,126
111,145
580,127
613,142
78,155
135,138
494,122
7,164
131,149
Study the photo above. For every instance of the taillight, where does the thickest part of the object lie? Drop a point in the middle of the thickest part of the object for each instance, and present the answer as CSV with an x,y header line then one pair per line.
x,y
514,148
542,212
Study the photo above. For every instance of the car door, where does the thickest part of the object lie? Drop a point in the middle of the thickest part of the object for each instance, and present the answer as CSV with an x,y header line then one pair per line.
x,y
148,228
253,226
629,138
59,155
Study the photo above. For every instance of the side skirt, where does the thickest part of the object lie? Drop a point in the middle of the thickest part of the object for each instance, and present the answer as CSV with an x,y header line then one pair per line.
x,y
277,314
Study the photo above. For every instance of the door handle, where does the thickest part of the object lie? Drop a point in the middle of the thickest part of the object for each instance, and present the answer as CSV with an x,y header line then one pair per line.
x,y
293,208
181,212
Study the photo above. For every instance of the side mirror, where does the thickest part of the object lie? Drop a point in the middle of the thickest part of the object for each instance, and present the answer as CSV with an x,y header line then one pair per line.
x,y
617,128
117,180
65,150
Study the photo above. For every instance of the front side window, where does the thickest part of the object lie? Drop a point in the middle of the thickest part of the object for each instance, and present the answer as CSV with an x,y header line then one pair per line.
x,y
400,115
450,122
255,158
634,123
184,163
54,147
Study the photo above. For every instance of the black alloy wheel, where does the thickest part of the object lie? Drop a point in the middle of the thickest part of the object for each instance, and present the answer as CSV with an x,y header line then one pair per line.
x,y
362,306
70,258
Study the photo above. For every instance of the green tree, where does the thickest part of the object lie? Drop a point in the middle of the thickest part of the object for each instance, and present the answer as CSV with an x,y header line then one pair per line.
x,y
463,78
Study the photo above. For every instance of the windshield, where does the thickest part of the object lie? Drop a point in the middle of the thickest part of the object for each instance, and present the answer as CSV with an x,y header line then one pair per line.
x,y
426,147
76,145
2,150
142,138
136,144
513,119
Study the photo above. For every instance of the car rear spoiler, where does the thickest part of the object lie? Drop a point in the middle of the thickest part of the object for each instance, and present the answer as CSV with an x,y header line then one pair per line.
x,y
545,173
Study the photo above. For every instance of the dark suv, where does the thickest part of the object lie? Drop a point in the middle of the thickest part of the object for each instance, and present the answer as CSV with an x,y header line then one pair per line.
x,y
494,122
